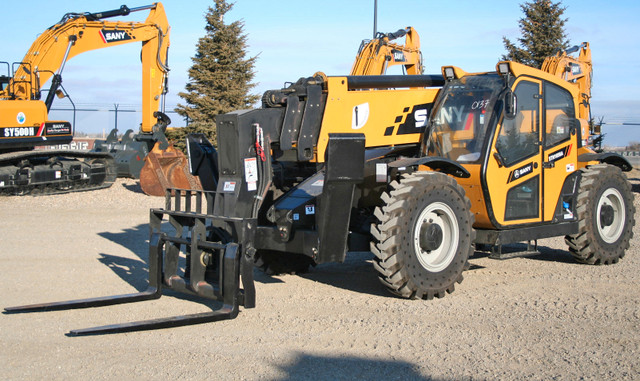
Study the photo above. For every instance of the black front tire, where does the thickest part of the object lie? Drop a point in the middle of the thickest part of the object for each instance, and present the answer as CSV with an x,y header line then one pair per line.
x,y
424,235
606,216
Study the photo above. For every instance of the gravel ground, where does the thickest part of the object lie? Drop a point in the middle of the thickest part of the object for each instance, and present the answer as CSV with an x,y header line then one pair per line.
x,y
543,317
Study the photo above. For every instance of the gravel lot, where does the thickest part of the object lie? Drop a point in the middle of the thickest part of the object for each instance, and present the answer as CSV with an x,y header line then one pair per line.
x,y
543,317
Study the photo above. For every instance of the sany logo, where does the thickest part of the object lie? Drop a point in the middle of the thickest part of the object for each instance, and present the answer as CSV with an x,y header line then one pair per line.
x,y
421,117
576,69
398,56
451,115
114,35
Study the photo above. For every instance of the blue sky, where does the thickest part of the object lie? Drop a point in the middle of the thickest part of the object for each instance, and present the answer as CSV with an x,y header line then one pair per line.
x,y
294,38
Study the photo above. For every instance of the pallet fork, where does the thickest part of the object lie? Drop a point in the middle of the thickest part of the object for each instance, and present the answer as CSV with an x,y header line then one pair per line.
x,y
231,257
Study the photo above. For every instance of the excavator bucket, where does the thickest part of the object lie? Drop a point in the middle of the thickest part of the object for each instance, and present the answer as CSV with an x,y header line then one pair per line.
x,y
164,169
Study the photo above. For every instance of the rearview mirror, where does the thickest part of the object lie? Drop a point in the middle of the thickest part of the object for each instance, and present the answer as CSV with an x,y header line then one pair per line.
x,y
510,104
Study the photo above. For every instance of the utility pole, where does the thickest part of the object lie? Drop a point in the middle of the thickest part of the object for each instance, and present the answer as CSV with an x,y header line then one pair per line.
x,y
116,107
375,18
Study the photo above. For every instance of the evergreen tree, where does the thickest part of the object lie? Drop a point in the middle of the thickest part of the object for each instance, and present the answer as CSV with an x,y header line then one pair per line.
x,y
542,31
220,78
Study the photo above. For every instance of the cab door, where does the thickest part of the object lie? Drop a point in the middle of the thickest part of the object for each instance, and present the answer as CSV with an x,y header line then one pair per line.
x,y
513,173
560,151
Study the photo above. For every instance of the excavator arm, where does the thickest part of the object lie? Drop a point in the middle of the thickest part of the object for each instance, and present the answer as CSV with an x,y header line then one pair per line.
x,y
577,70
377,55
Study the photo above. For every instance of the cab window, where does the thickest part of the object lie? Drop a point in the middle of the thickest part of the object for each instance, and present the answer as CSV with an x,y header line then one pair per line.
x,y
559,113
519,137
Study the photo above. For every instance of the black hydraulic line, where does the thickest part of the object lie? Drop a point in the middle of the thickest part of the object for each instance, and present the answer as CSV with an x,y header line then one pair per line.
x,y
122,11
393,81
397,34
56,82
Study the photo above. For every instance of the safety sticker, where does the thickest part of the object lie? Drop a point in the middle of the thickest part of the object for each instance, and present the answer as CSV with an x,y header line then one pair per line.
x,y
309,209
296,216
571,167
229,186
251,173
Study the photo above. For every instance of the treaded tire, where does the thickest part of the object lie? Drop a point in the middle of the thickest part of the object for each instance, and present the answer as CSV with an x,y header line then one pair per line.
x,y
603,239
411,205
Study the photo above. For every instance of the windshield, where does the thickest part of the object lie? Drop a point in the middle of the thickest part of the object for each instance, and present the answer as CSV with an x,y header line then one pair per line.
x,y
460,120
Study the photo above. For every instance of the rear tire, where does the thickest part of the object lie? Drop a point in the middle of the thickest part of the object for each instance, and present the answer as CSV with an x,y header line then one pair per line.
x,y
424,235
606,216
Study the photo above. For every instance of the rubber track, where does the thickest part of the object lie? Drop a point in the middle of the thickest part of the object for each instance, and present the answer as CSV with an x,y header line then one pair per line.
x,y
53,188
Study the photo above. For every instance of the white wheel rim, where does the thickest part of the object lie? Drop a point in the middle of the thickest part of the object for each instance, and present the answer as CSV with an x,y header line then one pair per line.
x,y
613,198
442,215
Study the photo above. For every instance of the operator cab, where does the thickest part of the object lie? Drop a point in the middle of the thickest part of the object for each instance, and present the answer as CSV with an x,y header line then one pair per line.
x,y
4,82
4,78
517,135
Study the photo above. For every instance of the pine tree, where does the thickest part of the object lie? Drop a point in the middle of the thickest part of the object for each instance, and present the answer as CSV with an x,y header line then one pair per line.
x,y
542,31
220,78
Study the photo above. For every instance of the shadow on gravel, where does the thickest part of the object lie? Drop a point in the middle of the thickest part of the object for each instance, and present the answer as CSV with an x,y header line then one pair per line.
x,y
544,253
132,271
134,187
355,274
136,271
312,367
554,255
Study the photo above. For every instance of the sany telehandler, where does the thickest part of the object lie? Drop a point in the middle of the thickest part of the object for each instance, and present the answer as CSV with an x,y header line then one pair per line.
x,y
24,122
418,169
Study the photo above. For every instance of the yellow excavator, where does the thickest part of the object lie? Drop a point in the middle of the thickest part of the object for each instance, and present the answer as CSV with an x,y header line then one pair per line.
x,y
24,122
377,55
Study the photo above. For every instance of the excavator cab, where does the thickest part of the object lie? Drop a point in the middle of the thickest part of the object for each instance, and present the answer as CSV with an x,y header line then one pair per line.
x,y
4,82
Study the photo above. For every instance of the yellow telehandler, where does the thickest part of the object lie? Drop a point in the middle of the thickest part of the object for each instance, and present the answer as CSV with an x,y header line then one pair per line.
x,y
419,169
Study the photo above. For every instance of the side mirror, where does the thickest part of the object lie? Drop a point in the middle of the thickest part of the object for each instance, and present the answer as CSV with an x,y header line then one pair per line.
x,y
510,104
